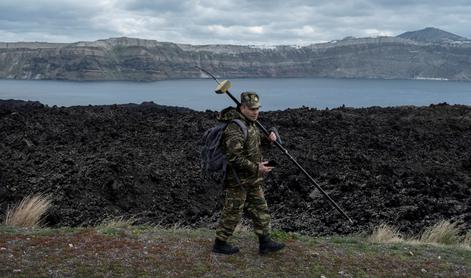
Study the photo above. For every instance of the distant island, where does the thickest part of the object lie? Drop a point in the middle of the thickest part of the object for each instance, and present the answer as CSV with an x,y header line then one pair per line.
x,y
429,53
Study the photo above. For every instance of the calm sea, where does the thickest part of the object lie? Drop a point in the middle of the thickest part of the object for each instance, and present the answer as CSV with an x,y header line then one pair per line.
x,y
276,94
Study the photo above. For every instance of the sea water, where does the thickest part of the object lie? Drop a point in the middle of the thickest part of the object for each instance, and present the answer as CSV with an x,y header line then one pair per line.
x,y
275,93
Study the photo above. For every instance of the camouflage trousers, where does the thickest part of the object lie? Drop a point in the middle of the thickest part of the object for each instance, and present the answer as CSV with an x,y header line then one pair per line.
x,y
240,198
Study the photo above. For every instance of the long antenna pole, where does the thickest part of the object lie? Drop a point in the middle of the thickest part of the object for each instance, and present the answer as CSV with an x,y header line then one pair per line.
x,y
259,125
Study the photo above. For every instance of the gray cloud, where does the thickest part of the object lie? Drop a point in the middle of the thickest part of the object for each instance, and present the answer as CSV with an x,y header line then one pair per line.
x,y
226,21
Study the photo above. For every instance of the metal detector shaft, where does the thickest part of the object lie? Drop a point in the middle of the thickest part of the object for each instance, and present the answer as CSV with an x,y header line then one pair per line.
x,y
259,125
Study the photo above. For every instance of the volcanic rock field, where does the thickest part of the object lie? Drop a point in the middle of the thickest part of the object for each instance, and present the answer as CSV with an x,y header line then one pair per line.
x,y
406,166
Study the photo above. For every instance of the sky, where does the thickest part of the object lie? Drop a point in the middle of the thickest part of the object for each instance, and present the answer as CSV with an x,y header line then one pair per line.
x,y
242,22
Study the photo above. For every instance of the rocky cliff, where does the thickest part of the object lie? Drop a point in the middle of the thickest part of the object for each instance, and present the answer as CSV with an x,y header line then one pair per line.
x,y
408,56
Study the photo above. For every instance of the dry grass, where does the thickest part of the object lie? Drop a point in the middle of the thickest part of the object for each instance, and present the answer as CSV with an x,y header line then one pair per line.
x,y
444,232
467,240
29,212
385,234
119,222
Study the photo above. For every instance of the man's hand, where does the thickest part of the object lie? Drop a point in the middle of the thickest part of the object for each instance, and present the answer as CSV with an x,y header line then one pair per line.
x,y
263,169
272,137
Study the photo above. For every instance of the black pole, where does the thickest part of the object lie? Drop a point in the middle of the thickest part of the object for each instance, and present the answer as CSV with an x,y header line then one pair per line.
x,y
334,204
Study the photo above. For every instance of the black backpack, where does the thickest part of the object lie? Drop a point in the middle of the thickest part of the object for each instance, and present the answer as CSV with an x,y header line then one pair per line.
x,y
213,159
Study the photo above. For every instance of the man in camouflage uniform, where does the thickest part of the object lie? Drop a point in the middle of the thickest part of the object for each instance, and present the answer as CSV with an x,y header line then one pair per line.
x,y
244,178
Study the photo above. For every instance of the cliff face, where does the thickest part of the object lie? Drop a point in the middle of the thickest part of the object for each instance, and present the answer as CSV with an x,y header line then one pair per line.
x,y
135,59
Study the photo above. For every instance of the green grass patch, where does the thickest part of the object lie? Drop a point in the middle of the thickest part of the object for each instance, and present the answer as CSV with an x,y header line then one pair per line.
x,y
150,251
36,231
281,235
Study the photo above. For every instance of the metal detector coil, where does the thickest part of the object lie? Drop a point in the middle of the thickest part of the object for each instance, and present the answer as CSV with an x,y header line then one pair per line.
x,y
223,87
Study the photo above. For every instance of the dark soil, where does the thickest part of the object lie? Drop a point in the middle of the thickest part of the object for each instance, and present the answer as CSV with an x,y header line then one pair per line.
x,y
407,166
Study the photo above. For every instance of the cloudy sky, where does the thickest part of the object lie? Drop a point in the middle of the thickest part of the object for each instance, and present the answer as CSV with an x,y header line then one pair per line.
x,y
253,22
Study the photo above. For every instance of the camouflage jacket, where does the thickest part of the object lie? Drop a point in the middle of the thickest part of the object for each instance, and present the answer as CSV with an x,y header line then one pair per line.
x,y
242,154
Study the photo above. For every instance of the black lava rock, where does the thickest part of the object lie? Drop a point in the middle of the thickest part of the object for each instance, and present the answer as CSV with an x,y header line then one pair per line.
x,y
407,166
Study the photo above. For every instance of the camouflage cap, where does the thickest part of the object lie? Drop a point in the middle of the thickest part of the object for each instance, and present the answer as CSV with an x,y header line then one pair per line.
x,y
250,99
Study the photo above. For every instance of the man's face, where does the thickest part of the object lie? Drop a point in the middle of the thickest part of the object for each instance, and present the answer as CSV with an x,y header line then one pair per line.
x,y
250,113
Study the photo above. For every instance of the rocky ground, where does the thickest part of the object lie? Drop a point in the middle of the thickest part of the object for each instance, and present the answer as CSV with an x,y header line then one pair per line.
x,y
407,166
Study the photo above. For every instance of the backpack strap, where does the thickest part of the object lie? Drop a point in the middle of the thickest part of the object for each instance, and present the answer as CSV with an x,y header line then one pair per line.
x,y
243,127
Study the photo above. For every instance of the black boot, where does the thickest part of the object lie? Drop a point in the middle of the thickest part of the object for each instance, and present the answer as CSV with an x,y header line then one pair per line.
x,y
267,245
224,248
